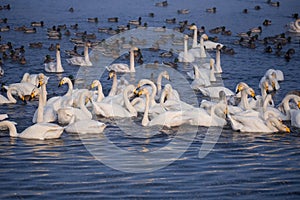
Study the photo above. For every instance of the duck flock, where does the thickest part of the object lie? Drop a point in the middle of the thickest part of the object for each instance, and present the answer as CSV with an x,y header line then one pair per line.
x,y
147,100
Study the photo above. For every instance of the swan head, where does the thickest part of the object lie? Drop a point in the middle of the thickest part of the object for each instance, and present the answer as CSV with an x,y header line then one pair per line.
x,y
211,63
57,47
111,74
193,27
204,36
94,84
34,93
241,86
63,81
166,75
251,92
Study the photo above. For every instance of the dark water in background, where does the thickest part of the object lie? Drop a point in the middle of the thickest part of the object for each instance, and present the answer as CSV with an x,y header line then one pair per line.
x,y
244,166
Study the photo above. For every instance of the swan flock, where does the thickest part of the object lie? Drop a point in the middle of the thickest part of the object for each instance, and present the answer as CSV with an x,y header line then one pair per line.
x,y
82,111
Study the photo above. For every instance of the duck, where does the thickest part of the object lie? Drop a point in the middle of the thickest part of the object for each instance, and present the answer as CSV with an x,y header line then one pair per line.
x,y
256,29
161,4
135,22
186,56
93,19
79,60
183,11
39,131
274,4
113,19
30,30
4,29
171,20
211,10
124,68
267,22
37,24
55,67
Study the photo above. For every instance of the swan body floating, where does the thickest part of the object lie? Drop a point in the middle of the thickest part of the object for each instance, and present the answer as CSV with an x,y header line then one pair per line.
x,y
79,60
294,27
257,124
55,67
295,117
201,117
40,131
167,118
124,68
213,92
86,126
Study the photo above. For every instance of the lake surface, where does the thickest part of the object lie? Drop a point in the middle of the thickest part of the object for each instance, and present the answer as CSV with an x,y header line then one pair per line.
x,y
240,165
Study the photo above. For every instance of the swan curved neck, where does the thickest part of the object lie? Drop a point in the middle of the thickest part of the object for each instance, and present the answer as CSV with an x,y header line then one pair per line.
x,y
244,100
70,89
145,120
127,103
286,101
114,85
11,127
100,92
10,96
82,104
154,92
273,124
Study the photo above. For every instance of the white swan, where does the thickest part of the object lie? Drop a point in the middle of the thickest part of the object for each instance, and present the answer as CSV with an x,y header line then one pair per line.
x,y
163,74
124,68
86,126
213,92
21,88
186,56
10,99
32,78
79,60
39,131
167,118
272,76
284,110
201,117
257,124
113,110
65,114
43,113
170,101
200,79
218,68
294,27
55,67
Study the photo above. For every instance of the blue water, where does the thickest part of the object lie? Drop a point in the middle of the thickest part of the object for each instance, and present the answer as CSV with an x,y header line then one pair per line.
x,y
241,165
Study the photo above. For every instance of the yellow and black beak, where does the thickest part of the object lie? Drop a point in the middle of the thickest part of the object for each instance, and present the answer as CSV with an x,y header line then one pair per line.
x,y
299,104
287,129
253,95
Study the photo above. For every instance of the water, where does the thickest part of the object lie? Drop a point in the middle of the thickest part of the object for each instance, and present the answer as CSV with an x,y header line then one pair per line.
x,y
241,165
